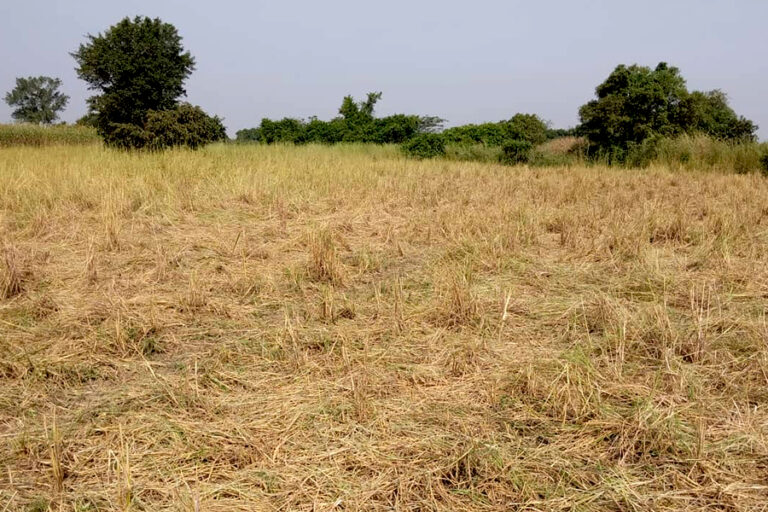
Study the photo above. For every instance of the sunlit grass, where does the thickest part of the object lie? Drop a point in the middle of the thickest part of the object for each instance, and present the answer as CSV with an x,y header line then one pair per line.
x,y
341,328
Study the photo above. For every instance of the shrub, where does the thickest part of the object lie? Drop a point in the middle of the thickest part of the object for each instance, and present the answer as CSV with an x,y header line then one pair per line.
x,y
764,163
526,127
426,145
355,123
516,152
186,125
248,135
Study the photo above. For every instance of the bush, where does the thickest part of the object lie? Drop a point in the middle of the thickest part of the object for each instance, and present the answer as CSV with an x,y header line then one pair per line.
x,y
516,152
248,135
764,164
526,127
356,123
426,145
186,125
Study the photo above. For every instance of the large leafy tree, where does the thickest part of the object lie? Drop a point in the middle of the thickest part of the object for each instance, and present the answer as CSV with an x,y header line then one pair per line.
x,y
137,66
636,103
37,99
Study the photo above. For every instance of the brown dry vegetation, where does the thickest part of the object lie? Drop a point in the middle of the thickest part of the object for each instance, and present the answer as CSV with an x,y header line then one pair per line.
x,y
275,328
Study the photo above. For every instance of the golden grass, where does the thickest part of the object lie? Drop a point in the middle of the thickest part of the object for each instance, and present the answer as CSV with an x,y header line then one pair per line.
x,y
310,328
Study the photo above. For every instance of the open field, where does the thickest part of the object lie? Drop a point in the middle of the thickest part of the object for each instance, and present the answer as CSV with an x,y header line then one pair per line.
x,y
337,329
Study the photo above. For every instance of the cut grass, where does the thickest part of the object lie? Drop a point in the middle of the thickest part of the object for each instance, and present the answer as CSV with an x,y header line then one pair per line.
x,y
339,328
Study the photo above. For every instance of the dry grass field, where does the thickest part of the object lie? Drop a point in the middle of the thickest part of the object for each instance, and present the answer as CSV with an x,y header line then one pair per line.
x,y
339,329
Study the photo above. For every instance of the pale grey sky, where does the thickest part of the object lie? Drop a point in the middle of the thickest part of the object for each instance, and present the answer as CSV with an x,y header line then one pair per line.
x,y
464,61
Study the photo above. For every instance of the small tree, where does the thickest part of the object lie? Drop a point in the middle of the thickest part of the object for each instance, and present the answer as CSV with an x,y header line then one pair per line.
x,y
37,99
137,66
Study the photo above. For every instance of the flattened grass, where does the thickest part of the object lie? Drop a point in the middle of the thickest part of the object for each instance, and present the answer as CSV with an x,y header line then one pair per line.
x,y
339,328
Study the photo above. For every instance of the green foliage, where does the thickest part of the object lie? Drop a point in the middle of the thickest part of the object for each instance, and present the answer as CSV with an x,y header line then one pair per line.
x,y
636,104
516,152
285,130
138,66
473,153
425,145
764,163
88,119
356,123
46,135
37,100
248,135
709,113
559,133
185,125
527,127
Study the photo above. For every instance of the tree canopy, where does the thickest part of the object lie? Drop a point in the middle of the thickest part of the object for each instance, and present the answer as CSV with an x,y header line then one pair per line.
x,y
356,123
636,103
37,99
138,66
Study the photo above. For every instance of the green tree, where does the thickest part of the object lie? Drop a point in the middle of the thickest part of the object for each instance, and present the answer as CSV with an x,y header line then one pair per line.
x,y
521,127
636,104
709,112
137,66
37,99
527,127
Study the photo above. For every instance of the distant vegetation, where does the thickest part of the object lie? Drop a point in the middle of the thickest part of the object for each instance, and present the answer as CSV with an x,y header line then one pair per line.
x,y
37,135
639,117
36,99
356,123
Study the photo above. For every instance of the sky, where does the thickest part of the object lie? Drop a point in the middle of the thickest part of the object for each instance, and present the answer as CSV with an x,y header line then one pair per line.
x,y
463,61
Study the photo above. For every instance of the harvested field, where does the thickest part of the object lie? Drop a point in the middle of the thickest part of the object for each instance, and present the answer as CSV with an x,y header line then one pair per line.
x,y
339,328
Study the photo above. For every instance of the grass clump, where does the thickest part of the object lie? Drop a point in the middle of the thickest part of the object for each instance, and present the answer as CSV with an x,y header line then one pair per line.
x,y
39,135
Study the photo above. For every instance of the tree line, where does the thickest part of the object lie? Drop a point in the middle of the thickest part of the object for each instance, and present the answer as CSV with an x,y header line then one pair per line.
x,y
138,68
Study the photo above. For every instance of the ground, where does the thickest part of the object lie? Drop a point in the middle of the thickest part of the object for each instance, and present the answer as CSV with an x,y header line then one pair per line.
x,y
279,328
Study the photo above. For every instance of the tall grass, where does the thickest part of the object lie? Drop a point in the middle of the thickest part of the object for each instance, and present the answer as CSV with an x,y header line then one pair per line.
x,y
702,153
37,135
687,152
